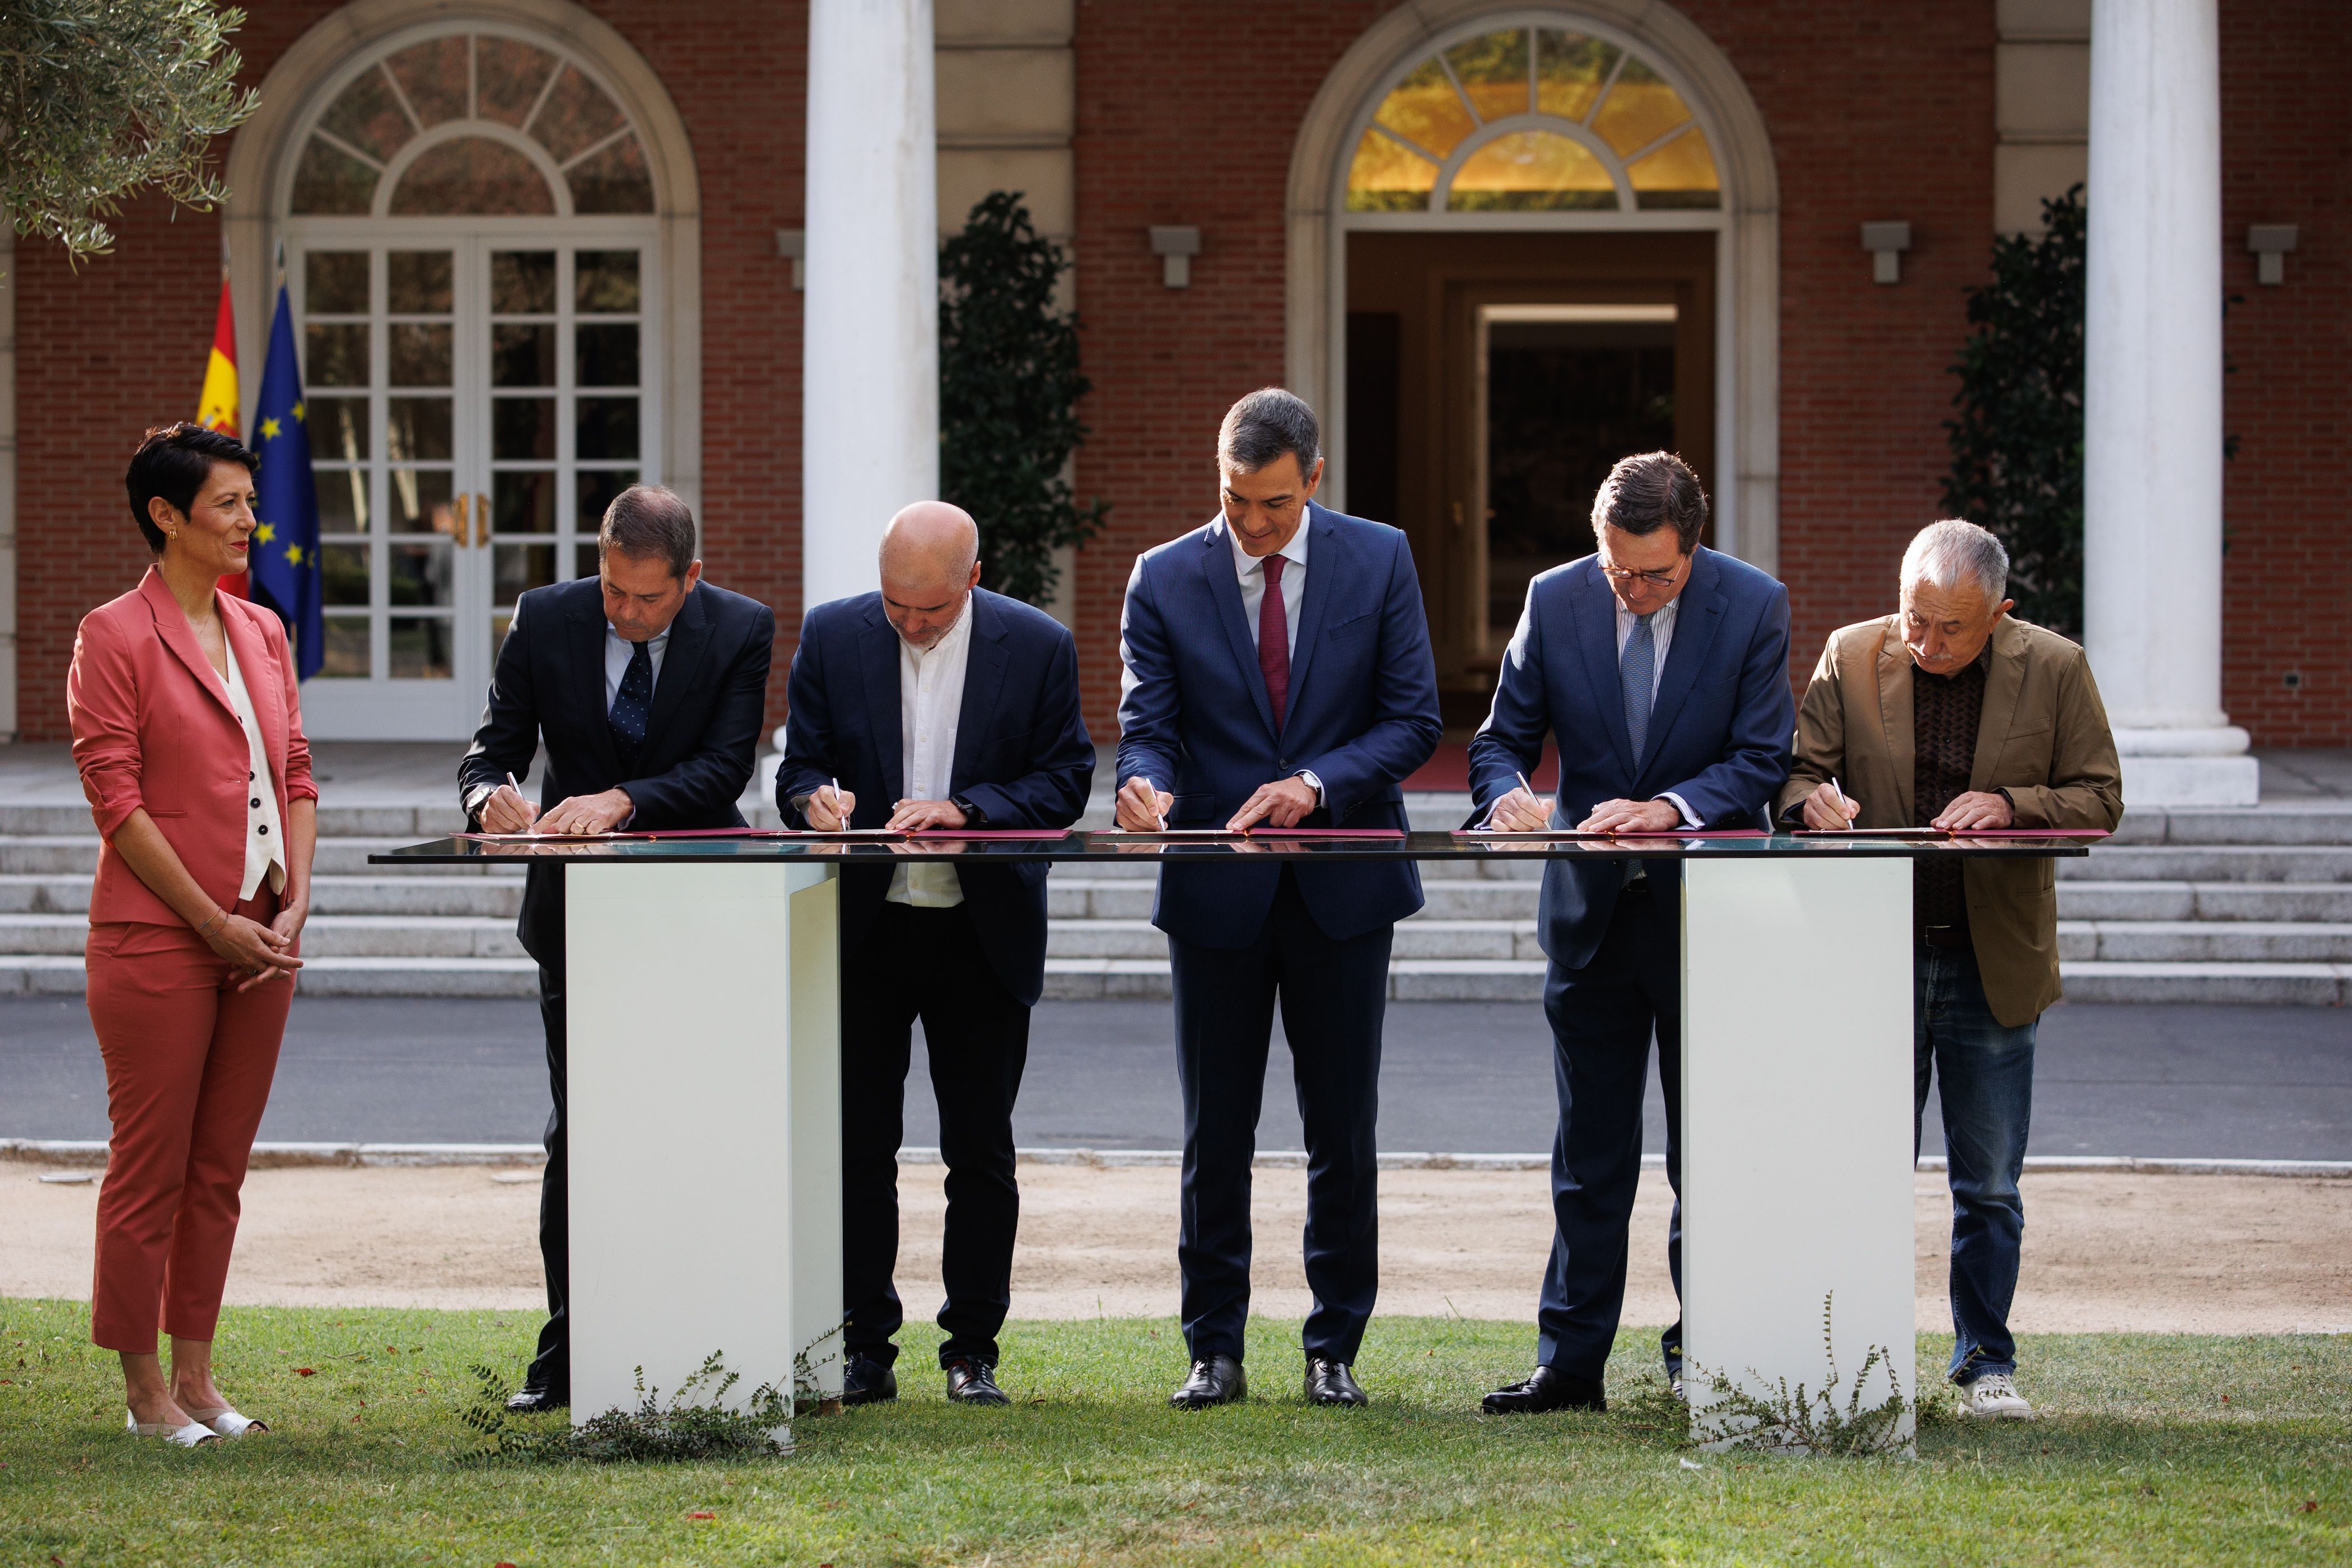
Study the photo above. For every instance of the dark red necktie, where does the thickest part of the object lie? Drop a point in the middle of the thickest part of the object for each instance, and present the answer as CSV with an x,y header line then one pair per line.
x,y
1273,639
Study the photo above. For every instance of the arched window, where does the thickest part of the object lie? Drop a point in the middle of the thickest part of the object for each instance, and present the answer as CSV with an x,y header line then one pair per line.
x,y
472,253
1532,119
472,123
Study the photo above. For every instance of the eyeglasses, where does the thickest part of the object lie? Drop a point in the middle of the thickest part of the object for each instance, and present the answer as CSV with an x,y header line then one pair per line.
x,y
1654,579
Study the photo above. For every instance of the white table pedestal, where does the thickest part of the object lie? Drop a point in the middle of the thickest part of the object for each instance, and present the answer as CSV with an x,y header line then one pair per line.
x,y
1796,1125
705,1112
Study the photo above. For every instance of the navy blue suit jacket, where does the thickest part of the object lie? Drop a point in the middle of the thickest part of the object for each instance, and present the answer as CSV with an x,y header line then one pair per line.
x,y
1022,756
1720,733
702,734
1194,716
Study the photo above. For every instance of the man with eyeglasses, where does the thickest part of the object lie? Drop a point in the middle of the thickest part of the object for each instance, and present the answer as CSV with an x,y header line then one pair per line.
x,y
1661,668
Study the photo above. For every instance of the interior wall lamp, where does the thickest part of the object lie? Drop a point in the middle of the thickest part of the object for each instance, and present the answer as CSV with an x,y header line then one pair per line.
x,y
792,245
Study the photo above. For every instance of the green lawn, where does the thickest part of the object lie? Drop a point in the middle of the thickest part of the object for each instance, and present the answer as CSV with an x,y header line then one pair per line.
x,y
2154,1450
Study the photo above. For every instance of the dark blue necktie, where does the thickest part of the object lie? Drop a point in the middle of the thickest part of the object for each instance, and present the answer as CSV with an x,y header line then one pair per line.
x,y
629,709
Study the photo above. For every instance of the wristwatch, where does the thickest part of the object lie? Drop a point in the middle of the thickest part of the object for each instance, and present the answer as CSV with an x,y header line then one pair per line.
x,y
972,815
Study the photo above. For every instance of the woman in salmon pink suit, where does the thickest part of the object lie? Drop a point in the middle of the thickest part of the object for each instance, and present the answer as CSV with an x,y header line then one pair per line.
x,y
190,744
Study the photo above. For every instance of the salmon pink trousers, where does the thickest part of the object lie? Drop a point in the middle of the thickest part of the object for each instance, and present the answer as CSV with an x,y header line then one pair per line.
x,y
188,1066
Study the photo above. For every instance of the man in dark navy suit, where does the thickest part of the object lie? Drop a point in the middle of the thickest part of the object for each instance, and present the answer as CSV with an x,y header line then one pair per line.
x,y
646,686
1279,671
934,704
1663,669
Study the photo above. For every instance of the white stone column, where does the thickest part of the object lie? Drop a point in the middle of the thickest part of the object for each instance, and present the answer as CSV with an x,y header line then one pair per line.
x,y
2152,402
870,349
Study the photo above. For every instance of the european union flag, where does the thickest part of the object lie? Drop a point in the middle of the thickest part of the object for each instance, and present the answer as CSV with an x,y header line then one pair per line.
x,y
285,559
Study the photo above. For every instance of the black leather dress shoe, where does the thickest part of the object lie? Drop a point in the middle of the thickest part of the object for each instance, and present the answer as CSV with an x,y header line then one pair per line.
x,y
866,1381
974,1381
1330,1382
1216,1381
1546,1389
530,1399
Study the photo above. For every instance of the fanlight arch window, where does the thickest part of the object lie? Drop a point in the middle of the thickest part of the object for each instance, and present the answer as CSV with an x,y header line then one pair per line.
x,y
472,123
1532,119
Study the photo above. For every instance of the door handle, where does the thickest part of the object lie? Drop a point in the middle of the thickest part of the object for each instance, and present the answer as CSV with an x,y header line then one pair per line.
x,y
463,502
481,521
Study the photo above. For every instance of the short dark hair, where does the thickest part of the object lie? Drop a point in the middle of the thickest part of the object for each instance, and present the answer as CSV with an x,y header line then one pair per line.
x,y
650,523
1646,492
173,461
1264,426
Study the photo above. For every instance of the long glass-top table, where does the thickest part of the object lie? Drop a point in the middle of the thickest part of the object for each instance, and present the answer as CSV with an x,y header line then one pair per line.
x,y
705,1083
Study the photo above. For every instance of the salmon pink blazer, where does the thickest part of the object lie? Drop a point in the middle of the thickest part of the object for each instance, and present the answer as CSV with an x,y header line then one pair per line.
x,y
152,727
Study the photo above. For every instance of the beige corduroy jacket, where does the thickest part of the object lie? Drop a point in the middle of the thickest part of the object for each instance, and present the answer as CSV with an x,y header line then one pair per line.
x,y
2044,741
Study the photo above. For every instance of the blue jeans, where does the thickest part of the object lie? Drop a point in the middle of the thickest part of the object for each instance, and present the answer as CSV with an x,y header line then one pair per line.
x,y
1984,1070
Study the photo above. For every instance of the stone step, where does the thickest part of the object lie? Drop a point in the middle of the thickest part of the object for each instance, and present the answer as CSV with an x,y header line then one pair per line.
x,y
2210,863
64,854
1410,980
1415,939
2281,822
62,976
2303,984
2206,941
499,897
326,936
2330,901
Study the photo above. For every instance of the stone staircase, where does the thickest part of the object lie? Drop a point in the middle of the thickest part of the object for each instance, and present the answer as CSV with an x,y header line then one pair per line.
x,y
2251,905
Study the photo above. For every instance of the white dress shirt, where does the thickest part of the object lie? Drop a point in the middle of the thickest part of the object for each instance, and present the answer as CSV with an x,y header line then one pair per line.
x,y
265,835
931,705
1251,570
619,650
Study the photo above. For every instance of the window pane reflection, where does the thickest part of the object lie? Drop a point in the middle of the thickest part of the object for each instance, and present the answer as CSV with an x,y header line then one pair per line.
x,y
522,428
596,490
522,353
605,282
420,354
416,575
421,501
344,575
338,429
517,568
522,282
420,650
418,430
345,646
522,502
342,497
607,427
335,283
335,353
419,282
605,354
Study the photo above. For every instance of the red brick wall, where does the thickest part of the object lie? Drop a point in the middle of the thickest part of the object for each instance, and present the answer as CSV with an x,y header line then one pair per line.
x,y
103,353
2286,141
1876,110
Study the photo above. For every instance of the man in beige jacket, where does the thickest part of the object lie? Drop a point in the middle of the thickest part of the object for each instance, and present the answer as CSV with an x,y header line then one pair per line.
x,y
1948,714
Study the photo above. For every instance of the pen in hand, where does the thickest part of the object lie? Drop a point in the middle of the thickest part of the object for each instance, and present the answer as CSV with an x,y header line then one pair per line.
x,y
518,789
1838,790
1155,805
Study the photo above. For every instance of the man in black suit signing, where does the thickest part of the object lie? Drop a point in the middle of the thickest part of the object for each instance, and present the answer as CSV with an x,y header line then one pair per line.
x,y
934,704
647,686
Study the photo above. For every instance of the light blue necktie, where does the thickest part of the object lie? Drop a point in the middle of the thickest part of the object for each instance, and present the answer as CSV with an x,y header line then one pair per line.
x,y
1634,668
1637,671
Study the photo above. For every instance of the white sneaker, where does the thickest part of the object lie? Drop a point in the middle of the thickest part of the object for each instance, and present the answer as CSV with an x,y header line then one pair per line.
x,y
1994,1397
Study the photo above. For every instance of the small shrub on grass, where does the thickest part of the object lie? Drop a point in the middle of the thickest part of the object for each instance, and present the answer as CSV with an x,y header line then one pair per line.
x,y
688,1428
1798,1421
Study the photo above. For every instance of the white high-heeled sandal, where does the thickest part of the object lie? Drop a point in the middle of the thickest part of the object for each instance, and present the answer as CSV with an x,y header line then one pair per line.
x,y
194,1435
226,1423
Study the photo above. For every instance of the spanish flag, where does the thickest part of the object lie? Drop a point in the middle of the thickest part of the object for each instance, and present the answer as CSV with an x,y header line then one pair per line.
x,y
217,408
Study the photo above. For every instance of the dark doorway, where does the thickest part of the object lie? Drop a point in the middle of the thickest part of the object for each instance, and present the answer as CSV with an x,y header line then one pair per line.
x,y
1491,379
1566,397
